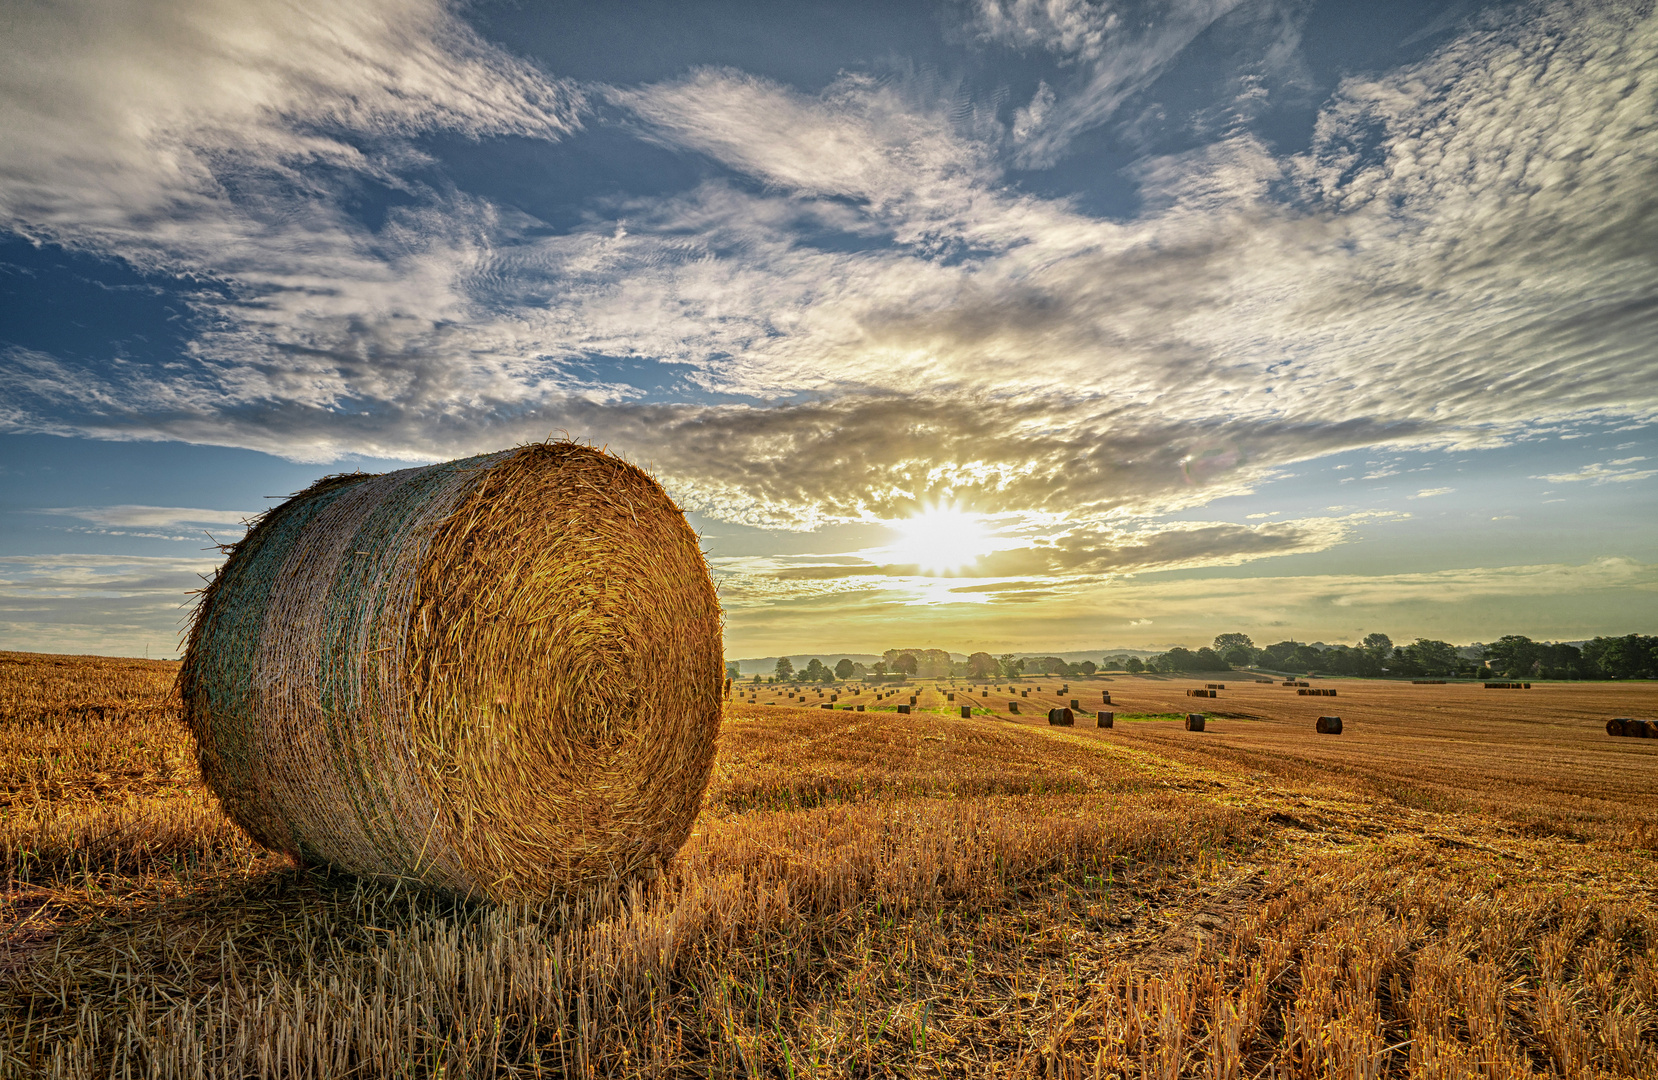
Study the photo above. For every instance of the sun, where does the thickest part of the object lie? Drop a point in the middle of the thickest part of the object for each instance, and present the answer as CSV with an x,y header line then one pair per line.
x,y
940,540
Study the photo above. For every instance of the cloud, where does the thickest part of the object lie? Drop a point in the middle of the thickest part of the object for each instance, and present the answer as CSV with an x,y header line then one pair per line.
x,y
129,515
1607,472
1544,601
1462,255
127,122
1429,493
116,605
1119,48
1067,559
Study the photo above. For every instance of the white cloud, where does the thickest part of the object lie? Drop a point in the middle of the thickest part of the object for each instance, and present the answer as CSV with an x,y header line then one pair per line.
x,y
1429,493
124,118
117,605
1119,47
1463,254
1604,472
131,515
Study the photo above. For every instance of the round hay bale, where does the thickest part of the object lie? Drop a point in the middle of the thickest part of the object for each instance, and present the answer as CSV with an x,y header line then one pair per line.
x,y
1329,725
495,677
1194,721
1105,697
1013,706
1615,725
966,712
1105,719
1061,717
905,709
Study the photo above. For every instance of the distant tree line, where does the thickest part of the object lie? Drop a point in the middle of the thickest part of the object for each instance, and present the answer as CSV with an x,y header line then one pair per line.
x,y
1512,656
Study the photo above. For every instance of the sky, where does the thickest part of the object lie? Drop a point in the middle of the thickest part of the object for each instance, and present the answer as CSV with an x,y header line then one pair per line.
x,y
971,324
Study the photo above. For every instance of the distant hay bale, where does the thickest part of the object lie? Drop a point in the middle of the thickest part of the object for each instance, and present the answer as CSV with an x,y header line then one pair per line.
x,y
1013,706
904,709
1617,725
1427,682
1061,717
1329,725
1200,693
1508,686
499,676
1215,685
949,697
1320,692
1105,697
966,712
1105,719
860,708
827,705
1194,721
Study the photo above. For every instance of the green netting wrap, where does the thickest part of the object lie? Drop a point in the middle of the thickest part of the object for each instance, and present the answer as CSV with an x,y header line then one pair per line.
x,y
498,676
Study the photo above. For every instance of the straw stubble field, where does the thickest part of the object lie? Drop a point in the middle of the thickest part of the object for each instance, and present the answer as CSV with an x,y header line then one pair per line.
x,y
1459,885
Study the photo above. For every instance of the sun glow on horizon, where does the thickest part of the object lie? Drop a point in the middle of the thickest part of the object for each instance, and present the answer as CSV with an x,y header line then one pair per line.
x,y
940,540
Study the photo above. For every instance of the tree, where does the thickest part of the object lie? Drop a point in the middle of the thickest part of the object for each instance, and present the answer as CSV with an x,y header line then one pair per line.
x,y
1633,656
1134,665
879,667
784,669
843,670
905,663
1513,656
1226,643
732,671
981,665
816,672
1088,667
1433,657
1379,646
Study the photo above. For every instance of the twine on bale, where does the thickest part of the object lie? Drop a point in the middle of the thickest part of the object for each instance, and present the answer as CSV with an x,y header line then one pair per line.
x,y
500,676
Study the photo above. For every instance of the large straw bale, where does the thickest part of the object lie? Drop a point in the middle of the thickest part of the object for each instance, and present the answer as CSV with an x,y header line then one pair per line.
x,y
496,677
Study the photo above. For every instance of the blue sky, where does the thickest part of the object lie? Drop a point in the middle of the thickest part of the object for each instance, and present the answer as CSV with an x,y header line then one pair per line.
x,y
1008,324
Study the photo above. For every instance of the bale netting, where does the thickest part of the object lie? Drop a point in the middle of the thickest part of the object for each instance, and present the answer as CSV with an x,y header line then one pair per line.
x,y
495,677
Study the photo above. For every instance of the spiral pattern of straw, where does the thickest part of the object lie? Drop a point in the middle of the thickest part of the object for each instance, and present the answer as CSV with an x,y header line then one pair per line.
x,y
496,677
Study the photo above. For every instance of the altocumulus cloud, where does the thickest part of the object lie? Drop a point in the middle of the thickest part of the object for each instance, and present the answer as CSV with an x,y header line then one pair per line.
x,y
1463,253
